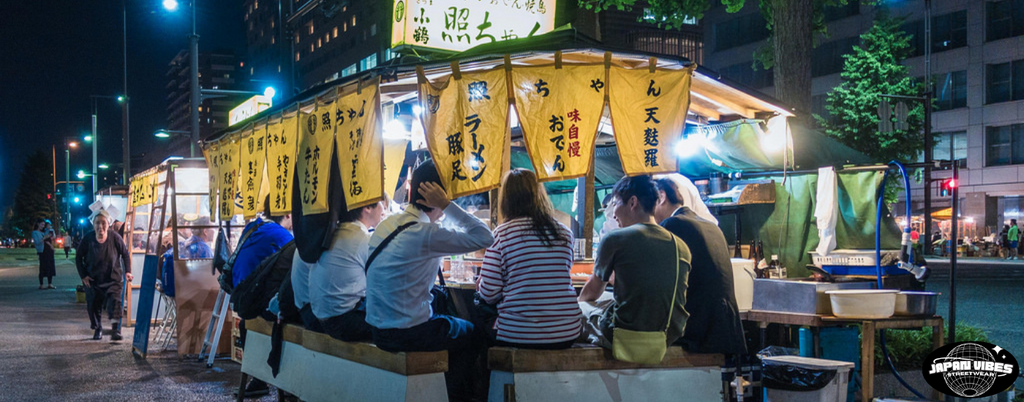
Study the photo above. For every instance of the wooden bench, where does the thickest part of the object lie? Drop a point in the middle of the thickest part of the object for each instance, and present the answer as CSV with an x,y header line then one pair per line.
x,y
316,367
589,373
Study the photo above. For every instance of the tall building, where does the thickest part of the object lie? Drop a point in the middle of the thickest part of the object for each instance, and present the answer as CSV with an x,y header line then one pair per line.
x,y
218,71
977,65
303,43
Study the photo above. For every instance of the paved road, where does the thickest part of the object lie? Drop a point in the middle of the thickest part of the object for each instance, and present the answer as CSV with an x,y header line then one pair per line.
x,y
47,352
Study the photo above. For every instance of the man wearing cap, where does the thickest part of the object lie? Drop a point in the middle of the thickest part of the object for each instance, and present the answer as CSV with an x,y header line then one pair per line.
x,y
104,262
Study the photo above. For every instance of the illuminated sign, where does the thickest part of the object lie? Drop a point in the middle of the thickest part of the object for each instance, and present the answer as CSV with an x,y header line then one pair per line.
x,y
249,108
458,25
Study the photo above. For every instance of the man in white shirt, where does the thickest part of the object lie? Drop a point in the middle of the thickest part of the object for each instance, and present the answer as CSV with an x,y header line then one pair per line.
x,y
399,279
337,282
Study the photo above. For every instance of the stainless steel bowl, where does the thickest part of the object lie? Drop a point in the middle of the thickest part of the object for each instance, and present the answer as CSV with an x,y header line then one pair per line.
x,y
910,303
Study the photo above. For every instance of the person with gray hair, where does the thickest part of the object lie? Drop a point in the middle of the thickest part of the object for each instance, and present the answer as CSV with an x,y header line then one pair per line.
x,y
103,263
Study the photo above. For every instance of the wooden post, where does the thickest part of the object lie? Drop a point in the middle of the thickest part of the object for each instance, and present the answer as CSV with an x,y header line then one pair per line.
x,y
867,360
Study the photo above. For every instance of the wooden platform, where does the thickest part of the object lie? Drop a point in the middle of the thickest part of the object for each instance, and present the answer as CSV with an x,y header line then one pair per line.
x,y
588,357
316,367
588,373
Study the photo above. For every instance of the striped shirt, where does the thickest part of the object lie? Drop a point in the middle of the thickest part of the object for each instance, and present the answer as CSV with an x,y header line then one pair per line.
x,y
533,283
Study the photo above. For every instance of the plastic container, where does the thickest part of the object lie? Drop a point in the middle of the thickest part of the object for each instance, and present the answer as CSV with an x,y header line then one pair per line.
x,y
863,303
743,283
806,379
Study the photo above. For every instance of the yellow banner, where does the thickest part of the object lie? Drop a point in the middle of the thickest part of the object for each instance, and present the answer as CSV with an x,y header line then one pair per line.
x,y
280,142
559,111
144,189
316,136
648,116
228,173
254,157
360,146
394,159
211,155
466,125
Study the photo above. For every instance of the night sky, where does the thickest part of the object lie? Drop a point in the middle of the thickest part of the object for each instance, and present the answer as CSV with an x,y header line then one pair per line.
x,y
54,54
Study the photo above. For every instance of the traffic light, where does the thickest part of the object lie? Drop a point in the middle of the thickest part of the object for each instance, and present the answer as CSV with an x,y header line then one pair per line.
x,y
947,186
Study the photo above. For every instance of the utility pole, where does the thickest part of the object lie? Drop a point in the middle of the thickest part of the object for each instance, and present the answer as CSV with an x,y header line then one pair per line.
x,y
125,136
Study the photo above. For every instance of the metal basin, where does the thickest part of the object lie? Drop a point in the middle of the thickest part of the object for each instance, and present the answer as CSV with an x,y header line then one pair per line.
x,y
910,303
799,296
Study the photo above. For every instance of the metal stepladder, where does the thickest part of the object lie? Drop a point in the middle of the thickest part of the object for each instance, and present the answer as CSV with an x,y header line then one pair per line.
x,y
214,329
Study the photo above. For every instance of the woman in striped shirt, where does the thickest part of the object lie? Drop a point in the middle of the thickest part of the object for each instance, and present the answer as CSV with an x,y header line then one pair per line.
x,y
527,270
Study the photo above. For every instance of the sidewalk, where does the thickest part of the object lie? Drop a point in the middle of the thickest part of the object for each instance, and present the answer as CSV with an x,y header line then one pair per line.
x,y
48,353
977,267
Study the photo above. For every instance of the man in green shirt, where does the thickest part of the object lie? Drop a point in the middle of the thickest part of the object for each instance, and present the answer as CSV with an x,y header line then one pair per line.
x,y
647,265
1013,236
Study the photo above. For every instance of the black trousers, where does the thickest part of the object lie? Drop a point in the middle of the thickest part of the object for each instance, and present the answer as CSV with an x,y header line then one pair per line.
x,y
90,300
107,299
309,320
349,327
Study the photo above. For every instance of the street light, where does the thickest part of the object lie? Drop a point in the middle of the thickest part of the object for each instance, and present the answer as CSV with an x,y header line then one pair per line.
x,y
103,166
164,133
196,100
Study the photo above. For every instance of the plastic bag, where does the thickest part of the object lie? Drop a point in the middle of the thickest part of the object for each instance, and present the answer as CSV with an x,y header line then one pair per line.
x,y
789,377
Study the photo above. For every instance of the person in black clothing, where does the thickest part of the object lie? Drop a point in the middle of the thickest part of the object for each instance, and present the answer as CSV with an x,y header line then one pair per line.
x,y
714,325
104,262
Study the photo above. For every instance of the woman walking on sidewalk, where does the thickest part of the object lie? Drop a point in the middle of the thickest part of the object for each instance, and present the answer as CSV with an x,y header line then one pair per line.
x,y
104,263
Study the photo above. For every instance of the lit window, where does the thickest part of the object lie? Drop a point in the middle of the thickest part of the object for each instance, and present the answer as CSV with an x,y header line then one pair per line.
x,y
296,38
256,5
344,28
271,23
273,39
296,59
278,68
319,43
335,32
349,70
310,27
353,20
373,30
344,8
327,38
252,70
311,48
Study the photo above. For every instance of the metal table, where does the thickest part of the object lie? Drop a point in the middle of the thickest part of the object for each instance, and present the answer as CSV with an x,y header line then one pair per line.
x,y
867,343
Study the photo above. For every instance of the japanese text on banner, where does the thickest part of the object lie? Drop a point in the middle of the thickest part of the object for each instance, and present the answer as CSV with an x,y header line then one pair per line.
x,y
466,125
360,146
459,24
559,111
280,141
144,189
316,137
648,116
254,156
228,173
210,153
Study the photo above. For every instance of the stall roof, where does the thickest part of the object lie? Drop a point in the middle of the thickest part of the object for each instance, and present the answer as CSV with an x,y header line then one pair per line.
x,y
713,98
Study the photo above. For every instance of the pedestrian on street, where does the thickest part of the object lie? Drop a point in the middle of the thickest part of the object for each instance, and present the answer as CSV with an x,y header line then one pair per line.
x,y
1004,242
1013,235
67,245
104,263
42,239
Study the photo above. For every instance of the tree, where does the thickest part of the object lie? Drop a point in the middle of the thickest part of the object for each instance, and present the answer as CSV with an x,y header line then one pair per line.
x,y
30,200
793,24
873,69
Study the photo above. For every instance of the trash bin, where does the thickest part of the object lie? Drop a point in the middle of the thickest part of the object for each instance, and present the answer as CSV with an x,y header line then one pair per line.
x,y
80,294
804,379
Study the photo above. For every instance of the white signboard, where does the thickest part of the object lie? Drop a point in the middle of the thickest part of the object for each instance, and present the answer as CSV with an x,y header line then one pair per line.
x,y
249,108
457,25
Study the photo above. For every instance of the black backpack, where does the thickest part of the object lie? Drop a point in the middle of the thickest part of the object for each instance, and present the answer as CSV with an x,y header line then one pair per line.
x,y
252,296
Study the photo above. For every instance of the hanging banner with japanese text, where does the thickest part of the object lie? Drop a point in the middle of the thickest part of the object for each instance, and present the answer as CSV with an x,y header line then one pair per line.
x,y
144,189
211,155
228,172
466,125
648,116
254,157
316,140
280,141
559,111
360,146
457,25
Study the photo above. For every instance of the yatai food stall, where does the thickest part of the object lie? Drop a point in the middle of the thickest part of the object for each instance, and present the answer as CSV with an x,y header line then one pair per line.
x,y
169,226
